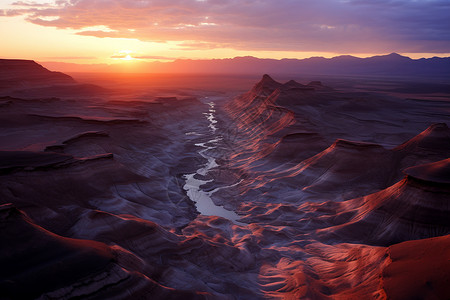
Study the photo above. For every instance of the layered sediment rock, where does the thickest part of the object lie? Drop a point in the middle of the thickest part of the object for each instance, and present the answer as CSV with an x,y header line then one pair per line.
x,y
328,200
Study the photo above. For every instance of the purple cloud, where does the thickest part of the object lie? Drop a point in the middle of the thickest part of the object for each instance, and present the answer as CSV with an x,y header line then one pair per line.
x,y
300,25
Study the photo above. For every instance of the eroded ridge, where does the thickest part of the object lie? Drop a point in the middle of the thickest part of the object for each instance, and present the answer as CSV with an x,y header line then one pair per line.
x,y
340,197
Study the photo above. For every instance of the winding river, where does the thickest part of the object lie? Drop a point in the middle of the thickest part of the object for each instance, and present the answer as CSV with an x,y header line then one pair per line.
x,y
201,198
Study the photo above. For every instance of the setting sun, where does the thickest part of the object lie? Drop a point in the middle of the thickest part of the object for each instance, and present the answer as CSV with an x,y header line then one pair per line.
x,y
210,30
123,55
127,57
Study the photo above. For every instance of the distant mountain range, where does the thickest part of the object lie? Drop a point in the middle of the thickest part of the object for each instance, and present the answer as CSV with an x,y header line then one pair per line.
x,y
392,65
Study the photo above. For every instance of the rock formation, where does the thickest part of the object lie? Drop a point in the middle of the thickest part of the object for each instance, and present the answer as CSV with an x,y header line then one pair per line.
x,y
341,195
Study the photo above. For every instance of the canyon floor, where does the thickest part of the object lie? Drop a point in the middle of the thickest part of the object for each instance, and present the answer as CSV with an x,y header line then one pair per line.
x,y
257,190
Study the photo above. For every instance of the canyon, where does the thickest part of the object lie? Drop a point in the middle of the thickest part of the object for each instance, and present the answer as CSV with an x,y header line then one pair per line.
x,y
287,191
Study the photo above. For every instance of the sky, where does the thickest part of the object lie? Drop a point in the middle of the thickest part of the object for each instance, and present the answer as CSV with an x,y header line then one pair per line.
x,y
109,31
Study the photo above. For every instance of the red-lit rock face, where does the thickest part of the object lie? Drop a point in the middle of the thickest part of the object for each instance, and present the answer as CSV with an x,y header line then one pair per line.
x,y
94,200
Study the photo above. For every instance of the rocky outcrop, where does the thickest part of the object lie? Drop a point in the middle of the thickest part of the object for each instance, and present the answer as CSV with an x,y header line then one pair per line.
x,y
93,204
18,73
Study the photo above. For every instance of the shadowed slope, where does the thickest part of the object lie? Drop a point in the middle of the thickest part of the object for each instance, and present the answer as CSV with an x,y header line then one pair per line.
x,y
36,262
416,207
30,256
282,160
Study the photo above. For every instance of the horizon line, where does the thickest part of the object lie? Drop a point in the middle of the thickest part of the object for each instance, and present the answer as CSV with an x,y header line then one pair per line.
x,y
174,59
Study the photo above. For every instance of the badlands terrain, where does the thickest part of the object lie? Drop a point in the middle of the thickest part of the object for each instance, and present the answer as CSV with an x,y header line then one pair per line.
x,y
337,189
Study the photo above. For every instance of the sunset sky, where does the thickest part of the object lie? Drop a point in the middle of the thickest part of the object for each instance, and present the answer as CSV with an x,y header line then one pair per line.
x,y
108,31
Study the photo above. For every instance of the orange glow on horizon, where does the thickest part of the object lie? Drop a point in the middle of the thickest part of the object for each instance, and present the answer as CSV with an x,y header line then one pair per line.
x,y
49,44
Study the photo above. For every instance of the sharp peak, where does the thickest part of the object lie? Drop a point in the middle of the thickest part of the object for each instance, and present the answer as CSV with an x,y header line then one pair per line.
x,y
267,81
266,85
392,55
293,84
266,77
291,81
